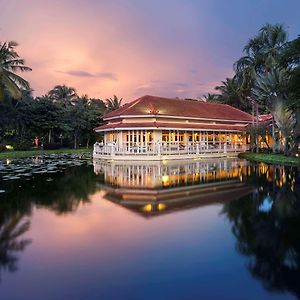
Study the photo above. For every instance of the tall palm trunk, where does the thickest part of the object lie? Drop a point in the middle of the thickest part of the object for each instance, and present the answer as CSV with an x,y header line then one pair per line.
x,y
75,141
257,146
49,136
273,134
88,142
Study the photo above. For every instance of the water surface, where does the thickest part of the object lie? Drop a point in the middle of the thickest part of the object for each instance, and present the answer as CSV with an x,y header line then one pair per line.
x,y
76,229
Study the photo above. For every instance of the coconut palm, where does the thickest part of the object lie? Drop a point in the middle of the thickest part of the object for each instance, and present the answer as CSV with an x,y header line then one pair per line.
x,y
262,52
262,55
232,94
211,97
63,94
113,103
11,84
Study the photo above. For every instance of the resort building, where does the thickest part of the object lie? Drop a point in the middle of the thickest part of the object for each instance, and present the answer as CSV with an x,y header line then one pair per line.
x,y
156,128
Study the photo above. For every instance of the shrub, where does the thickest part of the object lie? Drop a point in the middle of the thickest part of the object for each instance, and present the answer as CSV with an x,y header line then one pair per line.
x,y
22,145
52,146
2,147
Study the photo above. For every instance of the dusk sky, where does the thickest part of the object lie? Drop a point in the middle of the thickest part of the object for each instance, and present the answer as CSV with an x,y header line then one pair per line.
x,y
131,48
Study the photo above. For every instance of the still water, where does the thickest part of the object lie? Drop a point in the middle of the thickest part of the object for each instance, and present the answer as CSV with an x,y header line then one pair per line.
x,y
77,229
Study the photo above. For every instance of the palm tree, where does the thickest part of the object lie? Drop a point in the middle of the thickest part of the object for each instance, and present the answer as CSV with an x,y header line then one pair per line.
x,y
113,103
11,84
232,94
271,90
211,97
262,52
63,94
262,55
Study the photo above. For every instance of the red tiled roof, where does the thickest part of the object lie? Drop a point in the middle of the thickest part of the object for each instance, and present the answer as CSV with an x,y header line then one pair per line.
x,y
221,127
151,105
266,117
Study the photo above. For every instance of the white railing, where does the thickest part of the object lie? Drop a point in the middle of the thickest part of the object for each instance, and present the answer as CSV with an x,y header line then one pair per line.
x,y
166,149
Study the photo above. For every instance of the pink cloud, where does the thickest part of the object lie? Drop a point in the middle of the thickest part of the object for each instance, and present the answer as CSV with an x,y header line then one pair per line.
x,y
110,47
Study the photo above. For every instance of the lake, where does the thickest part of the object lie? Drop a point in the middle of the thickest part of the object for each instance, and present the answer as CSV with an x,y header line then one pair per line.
x,y
73,228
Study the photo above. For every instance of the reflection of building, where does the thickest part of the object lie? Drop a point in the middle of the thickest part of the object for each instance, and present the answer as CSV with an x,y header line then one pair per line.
x,y
154,188
155,128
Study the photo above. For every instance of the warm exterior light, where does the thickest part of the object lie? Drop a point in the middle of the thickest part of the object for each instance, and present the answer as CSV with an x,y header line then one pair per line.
x,y
165,180
161,206
147,208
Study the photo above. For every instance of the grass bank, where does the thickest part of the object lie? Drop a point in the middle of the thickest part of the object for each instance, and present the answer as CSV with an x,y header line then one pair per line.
x,y
29,153
279,159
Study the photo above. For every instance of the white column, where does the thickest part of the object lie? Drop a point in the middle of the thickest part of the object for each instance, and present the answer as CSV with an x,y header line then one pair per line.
x,y
207,139
121,139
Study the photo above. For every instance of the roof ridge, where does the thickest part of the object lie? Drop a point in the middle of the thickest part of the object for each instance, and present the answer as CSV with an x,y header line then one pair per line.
x,y
235,108
122,108
132,103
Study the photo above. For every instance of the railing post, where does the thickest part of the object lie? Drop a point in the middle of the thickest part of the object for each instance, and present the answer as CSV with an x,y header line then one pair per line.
x,y
225,148
158,149
112,151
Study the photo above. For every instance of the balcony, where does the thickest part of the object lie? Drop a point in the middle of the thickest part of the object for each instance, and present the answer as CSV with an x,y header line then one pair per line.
x,y
166,151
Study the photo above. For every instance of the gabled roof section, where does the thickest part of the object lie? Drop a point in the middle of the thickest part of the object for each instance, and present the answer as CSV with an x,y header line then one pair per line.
x,y
159,106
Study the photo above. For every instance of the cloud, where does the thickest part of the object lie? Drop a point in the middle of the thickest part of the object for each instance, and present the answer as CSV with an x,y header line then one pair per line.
x,y
180,84
82,73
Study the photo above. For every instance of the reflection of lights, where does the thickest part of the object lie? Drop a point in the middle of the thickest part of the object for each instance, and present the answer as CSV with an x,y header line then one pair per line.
x,y
147,208
165,178
164,162
8,161
161,206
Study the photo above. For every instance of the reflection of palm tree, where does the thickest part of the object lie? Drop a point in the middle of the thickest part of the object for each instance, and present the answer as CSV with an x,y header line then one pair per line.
x,y
10,232
271,238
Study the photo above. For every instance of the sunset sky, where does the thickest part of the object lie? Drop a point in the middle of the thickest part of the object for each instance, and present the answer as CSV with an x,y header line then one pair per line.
x,y
131,48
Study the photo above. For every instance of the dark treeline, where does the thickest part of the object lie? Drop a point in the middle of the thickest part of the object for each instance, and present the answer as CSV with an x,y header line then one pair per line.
x,y
267,81
61,118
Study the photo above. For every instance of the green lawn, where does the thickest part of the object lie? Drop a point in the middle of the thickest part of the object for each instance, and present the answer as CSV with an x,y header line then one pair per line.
x,y
271,158
23,154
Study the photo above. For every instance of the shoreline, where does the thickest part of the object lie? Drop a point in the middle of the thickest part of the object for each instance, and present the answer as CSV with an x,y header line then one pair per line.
x,y
271,158
29,153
